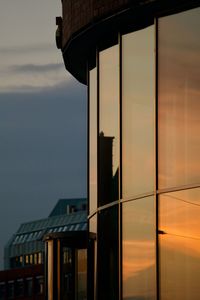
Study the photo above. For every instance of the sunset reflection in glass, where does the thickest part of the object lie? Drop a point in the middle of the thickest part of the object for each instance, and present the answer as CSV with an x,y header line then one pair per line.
x,y
138,108
139,249
178,99
179,227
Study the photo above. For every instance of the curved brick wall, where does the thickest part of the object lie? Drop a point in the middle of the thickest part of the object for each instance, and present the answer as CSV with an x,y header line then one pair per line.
x,y
86,24
79,13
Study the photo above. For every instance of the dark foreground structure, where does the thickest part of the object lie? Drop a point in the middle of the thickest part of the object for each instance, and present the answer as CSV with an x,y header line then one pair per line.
x,y
141,62
22,283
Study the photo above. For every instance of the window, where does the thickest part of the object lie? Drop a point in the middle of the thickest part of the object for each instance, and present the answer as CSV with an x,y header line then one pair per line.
x,y
179,240
179,105
139,257
138,119
93,140
109,125
39,285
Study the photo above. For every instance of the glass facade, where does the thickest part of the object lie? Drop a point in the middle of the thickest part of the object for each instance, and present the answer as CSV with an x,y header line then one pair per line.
x,y
138,101
179,238
144,166
108,130
139,257
178,96
93,140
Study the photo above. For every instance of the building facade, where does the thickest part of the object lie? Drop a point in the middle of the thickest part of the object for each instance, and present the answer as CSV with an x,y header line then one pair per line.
x,y
47,258
26,247
141,62
22,283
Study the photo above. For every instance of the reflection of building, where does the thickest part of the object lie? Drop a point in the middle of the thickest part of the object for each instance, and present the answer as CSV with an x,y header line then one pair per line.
x,y
28,261
108,180
141,62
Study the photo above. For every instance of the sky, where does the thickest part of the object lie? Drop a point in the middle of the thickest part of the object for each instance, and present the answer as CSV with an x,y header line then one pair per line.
x,y
42,117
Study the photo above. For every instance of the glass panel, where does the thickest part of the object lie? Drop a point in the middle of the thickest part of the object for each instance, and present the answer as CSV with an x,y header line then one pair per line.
x,y
93,224
50,270
28,287
39,285
179,105
108,256
40,258
35,258
92,257
82,274
2,290
19,288
109,125
93,139
179,239
11,290
67,274
139,249
138,112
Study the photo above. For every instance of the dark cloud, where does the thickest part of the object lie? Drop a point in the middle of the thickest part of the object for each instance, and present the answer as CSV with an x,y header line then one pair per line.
x,y
33,68
43,152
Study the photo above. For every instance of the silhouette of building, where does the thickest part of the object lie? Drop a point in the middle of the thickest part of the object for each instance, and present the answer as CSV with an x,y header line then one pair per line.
x,y
141,62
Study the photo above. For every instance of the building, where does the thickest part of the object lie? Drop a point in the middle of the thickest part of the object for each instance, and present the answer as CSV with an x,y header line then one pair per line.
x,y
26,247
43,251
141,62
23,283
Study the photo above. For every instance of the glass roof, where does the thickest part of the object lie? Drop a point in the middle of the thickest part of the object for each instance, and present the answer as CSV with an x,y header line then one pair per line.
x,y
33,231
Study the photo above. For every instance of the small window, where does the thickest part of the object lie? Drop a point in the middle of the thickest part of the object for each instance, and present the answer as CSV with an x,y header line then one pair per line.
x,y
39,285
19,288
28,287
31,259
40,258
26,259
35,258
10,289
2,290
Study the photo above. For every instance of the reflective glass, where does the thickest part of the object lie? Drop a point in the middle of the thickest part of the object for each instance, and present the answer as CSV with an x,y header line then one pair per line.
x,y
138,112
138,264
179,105
2,290
28,287
179,240
50,271
19,288
107,254
82,274
10,290
109,125
93,140
39,285
93,224
67,273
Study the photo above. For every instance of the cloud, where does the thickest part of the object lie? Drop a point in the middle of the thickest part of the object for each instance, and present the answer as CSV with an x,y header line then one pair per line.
x,y
32,78
60,86
27,48
33,68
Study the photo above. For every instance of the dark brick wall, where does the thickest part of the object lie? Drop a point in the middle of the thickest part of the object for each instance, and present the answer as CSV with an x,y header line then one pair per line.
x,y
79,13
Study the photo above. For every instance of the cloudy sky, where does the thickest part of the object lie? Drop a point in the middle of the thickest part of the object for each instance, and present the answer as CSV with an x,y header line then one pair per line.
x,y
42,117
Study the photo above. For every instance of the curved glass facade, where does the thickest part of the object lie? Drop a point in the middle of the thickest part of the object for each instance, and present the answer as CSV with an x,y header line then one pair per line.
x,y
144,166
